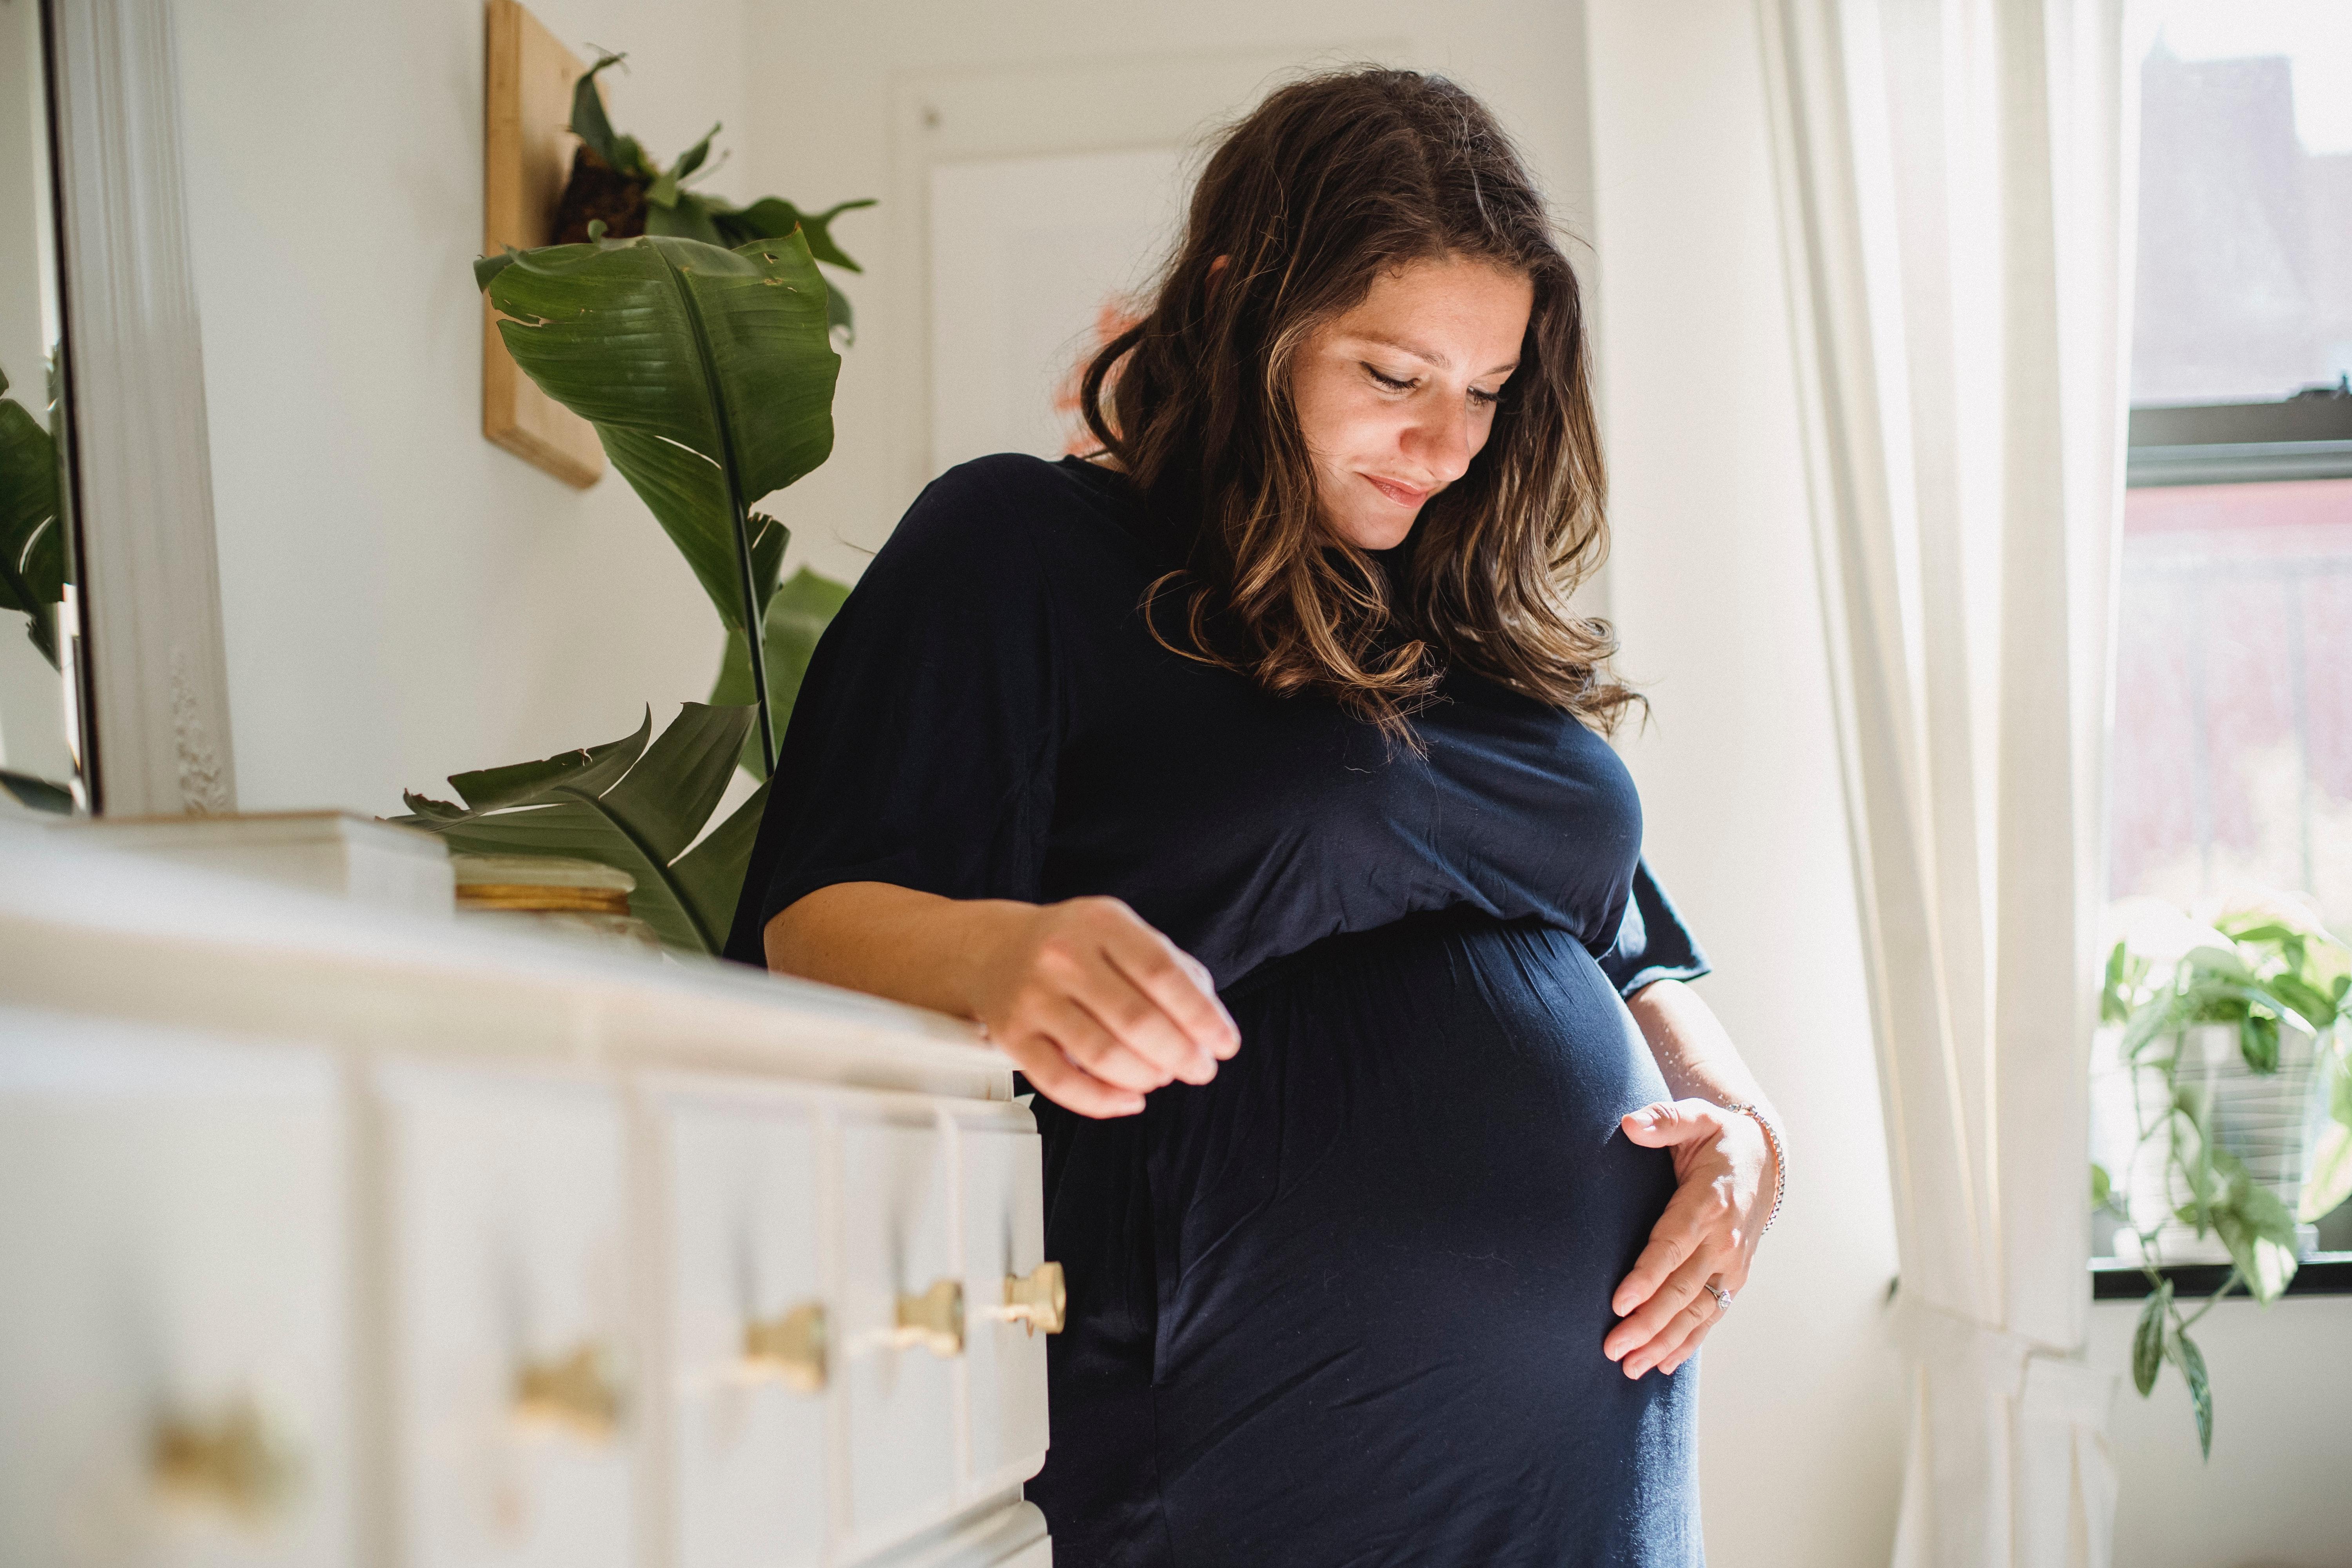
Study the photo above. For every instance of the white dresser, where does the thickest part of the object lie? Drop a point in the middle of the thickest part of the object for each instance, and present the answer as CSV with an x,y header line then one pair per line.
x,y
337,1236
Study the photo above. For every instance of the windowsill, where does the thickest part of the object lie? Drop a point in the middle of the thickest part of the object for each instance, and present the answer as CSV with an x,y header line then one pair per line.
x,y
2320,1274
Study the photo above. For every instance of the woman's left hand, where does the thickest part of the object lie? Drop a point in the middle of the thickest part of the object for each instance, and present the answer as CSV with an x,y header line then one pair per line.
x,y
1723,1194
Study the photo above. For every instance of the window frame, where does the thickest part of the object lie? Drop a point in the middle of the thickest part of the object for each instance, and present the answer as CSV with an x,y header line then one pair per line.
x,y
2305,437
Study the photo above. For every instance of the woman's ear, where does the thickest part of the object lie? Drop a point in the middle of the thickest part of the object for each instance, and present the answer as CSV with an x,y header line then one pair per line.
x,y
1216,274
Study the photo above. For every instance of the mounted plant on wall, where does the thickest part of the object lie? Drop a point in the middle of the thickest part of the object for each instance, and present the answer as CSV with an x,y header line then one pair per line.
x,y
2224,1115
613,183
708,373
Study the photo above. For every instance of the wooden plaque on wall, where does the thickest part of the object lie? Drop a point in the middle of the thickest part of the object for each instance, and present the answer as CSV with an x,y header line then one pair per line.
x,y
527,147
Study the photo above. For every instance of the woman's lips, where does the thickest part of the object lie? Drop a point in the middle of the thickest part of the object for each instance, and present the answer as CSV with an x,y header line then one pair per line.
x,y
1402,494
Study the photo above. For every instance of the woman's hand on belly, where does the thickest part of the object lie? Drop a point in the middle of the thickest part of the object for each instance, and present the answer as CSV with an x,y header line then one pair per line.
x,y
1723,1194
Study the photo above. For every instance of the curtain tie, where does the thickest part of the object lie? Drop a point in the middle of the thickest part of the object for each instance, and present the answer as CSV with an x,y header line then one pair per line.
x,y
2050,1388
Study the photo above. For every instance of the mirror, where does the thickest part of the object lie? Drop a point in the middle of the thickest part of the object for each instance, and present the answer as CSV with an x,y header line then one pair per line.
x,y
41,684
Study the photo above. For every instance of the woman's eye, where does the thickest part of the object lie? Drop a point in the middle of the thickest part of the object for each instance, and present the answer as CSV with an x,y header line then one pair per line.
x,y
1484,399
1388,382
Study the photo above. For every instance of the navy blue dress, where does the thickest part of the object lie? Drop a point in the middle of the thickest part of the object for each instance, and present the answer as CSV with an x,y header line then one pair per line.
x,y
1345,1303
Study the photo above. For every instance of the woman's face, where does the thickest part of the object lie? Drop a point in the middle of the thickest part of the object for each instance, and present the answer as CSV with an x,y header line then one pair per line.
x,y
1397,395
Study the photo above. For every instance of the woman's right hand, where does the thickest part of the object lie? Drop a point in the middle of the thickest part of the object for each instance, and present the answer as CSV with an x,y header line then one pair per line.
x,y
1097,1008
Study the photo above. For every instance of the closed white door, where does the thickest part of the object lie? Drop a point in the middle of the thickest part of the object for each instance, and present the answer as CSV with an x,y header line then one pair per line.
x,y
902,1309
174,1334
1015,1299
514,1384
750,1327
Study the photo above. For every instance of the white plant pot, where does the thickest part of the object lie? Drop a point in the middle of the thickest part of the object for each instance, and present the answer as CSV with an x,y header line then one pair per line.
x,y
2271,1122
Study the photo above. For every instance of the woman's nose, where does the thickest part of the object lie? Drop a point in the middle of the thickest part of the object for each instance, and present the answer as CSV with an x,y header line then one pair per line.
x,y
1439,441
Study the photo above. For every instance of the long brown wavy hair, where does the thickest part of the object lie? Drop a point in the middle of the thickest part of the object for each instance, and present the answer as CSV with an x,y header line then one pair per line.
x,y
1327,185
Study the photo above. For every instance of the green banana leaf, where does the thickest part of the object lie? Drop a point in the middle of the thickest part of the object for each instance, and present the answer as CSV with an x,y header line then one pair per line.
x,y
708,375
32,571
692,215
797,614
775,215
628,804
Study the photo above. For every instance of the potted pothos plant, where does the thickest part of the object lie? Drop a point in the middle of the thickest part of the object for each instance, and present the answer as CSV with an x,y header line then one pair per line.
x,y
708,370
2225,1110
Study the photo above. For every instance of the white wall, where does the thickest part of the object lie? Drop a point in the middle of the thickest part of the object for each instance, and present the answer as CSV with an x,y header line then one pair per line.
x,y
402,599
1711,583
2274,1492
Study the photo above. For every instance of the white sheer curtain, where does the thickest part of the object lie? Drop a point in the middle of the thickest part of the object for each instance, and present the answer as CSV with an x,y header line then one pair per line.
x,y
1956,184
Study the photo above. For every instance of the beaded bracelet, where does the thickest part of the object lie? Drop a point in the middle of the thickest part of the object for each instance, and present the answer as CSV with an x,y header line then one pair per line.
x,y
1779,1161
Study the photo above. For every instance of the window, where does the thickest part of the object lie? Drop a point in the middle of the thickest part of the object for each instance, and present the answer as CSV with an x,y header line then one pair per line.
x,y
2231,762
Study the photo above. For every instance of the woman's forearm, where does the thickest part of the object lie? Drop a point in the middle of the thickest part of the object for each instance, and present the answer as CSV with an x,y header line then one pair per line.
x,y
1728,1183
1095,1007
895,942
1694,1052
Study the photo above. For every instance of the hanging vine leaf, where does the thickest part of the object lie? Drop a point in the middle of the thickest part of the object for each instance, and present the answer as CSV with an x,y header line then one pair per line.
x,y
2257,1228
2191,1362
2148,1338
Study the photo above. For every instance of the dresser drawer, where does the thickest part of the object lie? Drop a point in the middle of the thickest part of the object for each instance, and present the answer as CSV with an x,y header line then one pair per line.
x,y
174,1332
748,1322
510,1360
902,1319
1015,1299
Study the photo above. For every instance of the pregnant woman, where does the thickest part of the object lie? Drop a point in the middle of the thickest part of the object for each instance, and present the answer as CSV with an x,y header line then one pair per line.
x,y
1245,781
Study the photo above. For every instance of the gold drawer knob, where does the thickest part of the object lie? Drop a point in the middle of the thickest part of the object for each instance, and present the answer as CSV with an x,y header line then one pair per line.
x,y
1040,1301
792,1347
933,1320
234,1464
575,1392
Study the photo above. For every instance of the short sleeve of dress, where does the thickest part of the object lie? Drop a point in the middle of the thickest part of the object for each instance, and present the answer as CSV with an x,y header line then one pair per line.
x,y
1653,942
921,747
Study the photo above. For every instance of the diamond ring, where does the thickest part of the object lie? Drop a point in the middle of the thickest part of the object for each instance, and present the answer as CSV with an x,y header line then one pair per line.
x,y
1722,1296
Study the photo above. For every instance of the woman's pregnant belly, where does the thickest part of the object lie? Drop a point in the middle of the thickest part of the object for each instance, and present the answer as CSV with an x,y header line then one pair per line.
x,y
1385,1239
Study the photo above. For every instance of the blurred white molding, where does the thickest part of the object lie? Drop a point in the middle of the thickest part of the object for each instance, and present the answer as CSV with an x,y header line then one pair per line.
x,y
150,607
